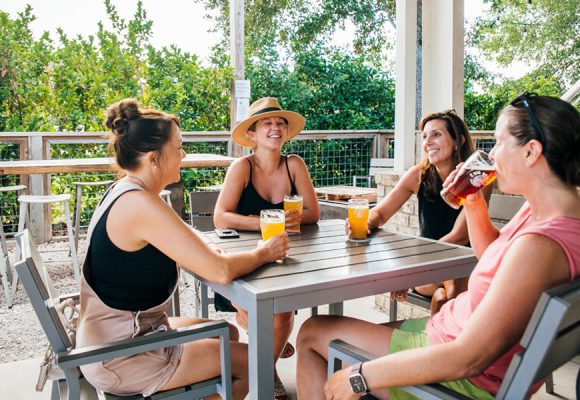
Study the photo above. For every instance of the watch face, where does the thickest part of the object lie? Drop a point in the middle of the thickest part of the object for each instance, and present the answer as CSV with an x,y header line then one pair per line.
x,y
357,383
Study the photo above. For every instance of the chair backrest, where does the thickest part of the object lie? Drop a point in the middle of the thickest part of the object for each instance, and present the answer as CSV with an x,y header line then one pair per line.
x,y
551,339
202,205
41,292
503,207
381,165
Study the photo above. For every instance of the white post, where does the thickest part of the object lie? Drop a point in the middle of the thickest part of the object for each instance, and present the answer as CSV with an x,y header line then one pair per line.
x,y
405,84
40,215
237,60
443,55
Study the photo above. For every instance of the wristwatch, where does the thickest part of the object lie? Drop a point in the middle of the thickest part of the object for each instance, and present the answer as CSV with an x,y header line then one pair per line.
x,y
357,381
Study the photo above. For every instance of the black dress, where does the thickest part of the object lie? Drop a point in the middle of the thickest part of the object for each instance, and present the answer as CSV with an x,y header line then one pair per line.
x,y
436,217
251,203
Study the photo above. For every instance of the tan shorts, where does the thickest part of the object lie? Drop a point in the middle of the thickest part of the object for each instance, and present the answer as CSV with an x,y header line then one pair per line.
x,y
144,373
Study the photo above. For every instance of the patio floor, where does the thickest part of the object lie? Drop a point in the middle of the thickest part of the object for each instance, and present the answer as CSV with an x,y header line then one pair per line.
x,y
19,378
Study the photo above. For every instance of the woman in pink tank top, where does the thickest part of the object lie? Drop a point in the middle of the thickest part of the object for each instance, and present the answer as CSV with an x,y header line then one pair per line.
x,y
468,344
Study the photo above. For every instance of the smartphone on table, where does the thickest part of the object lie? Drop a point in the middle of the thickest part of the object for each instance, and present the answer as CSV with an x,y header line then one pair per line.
x,y
226,233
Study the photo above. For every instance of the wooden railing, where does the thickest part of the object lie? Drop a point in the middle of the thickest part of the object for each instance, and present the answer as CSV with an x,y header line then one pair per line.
x,y
37,146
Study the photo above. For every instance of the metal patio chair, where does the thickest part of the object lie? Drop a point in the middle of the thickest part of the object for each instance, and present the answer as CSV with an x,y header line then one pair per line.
x,y
551,339
68,358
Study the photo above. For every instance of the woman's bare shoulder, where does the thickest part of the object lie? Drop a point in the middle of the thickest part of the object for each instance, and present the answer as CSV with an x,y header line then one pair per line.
x,y
295,161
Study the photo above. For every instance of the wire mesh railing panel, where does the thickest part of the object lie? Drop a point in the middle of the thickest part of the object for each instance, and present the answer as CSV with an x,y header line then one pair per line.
x,y
484,144
9,208
206,148
335,161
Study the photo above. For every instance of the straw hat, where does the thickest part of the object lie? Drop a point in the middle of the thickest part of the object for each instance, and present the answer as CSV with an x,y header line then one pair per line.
x,y
265,108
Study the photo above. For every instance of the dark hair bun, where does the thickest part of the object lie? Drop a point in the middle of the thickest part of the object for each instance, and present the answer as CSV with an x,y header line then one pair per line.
x,y
119,115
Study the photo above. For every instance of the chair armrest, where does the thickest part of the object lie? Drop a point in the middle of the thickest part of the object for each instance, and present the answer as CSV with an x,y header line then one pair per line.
x,y
340,351
74,296
91,354
419,300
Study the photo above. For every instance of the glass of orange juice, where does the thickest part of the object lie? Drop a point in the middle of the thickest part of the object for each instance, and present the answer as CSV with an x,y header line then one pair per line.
x,y
271,223
294,202
358,217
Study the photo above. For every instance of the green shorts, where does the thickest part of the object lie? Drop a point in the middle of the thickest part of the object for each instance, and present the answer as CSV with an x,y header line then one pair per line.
x,y
412,335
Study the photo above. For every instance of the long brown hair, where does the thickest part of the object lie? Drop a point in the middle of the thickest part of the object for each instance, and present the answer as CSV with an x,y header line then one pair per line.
x,y
458,130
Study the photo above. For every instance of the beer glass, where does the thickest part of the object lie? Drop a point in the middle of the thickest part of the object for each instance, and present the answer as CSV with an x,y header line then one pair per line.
x,y
294,202
271,223
476,173
358,217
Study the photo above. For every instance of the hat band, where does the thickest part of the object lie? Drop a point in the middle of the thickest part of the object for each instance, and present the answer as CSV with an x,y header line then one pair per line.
x,y
265,110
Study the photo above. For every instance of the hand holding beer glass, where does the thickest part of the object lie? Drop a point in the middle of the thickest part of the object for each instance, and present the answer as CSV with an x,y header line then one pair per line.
x,y
358,219
293,206
477,172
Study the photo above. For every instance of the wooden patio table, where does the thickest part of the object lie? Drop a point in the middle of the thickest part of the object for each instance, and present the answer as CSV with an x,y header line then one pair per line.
x,y
102,164
323,267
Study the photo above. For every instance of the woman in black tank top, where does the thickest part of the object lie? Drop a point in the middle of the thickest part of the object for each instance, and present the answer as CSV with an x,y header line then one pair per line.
x,y
446,143
259,182
135,241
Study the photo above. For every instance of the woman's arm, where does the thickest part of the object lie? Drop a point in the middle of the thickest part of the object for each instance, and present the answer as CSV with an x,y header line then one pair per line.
x,y
303,183
533,264
139,218
225,215
459,234
481,231
407,185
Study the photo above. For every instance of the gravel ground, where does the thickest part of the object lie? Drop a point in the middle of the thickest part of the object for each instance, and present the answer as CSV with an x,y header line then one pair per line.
x,y
21,336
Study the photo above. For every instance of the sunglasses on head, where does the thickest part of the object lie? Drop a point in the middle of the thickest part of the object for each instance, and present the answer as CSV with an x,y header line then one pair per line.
x,y
447,112
524,99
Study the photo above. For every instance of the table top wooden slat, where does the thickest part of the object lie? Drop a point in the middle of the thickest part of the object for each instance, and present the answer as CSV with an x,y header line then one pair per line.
x,y
325,247
100,164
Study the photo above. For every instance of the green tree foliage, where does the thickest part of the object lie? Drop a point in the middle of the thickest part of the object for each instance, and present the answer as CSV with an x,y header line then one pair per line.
x,y
295,24
179,84
333,90
66,85
544,33
24,85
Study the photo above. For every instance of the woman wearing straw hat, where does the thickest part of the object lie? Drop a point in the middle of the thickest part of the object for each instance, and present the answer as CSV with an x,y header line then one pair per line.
x,y
260,181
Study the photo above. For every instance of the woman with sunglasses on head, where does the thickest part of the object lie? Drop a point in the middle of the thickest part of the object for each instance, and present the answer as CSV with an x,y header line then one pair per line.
x,y
446,143
470,342
258,182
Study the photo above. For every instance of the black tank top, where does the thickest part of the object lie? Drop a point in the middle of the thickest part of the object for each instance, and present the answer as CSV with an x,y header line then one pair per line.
x,y
436,218
251,203
128,280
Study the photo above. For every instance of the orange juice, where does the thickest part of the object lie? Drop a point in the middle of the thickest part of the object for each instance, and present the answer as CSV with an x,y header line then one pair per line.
x,y
294,202
271,223
358,217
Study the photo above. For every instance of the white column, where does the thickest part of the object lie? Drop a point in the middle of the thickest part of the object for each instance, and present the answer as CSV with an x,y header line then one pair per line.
x,y
405,84
237,60
443,55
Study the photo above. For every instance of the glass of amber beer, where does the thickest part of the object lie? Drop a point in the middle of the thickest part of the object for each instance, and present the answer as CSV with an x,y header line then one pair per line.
x,y
294,202
476,173
271,223
358,217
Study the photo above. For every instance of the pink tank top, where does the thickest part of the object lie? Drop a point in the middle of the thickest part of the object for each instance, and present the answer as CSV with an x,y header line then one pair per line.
x,y
449,322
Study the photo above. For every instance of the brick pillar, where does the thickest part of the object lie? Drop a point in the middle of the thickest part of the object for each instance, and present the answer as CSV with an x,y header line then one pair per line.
x,y
405,220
